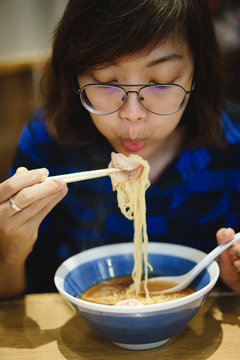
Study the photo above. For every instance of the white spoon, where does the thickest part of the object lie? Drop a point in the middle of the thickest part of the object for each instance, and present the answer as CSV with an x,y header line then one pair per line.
x,y
182,281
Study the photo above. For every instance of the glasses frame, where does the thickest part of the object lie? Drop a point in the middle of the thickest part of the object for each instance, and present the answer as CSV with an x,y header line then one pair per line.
x,y
78,90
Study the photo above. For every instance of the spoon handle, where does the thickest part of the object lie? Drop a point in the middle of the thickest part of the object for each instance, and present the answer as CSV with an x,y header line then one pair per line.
x,y
187,278
212,255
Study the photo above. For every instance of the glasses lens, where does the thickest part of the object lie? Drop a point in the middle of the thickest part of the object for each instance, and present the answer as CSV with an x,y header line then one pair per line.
x,y
102,99
162,99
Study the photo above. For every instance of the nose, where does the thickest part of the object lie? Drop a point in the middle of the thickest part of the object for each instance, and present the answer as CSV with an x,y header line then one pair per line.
x,y
132,110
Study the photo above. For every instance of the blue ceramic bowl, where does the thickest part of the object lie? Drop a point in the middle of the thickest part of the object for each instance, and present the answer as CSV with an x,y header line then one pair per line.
x,y
140,327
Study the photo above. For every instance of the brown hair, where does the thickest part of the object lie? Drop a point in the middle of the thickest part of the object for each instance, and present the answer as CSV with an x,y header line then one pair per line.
x,y
94,32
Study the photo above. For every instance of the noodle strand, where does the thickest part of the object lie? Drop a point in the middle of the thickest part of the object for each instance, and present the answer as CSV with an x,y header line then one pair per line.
x,y
131,201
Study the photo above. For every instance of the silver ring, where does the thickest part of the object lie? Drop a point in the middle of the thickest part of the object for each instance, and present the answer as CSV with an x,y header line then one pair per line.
x,y
13,205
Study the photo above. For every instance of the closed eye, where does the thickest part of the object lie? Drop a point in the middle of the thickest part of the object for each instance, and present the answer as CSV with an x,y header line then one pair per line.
x,y
160,88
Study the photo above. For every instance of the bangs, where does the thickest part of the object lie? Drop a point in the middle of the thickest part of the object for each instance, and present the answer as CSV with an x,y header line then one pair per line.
x,y
115,29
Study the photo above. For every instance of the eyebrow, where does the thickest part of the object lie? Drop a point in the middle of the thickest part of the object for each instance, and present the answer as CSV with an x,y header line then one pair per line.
x,y
171,57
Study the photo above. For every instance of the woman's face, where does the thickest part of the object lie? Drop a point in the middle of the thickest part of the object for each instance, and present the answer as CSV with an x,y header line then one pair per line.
x,y
133,129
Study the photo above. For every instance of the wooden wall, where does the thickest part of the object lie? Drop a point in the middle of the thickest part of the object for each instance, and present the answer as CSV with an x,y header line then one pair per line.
x,y
17,102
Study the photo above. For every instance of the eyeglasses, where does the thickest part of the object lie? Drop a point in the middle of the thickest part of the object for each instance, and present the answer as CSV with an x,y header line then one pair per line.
x,y
159,99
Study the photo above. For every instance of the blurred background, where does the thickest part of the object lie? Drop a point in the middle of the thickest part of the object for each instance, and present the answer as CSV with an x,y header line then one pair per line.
x,y
26,28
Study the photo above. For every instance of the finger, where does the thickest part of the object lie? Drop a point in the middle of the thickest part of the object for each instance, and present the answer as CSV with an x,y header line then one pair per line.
x,y
21,169
38,191
17,227
224,235
21,180
38,207
31,195
236,263
235,250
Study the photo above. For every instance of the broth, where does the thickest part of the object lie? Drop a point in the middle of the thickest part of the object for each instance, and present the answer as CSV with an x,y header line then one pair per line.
x,y
111,291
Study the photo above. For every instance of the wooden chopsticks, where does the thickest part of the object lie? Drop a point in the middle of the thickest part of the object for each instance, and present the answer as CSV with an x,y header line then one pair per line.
x,y
83,175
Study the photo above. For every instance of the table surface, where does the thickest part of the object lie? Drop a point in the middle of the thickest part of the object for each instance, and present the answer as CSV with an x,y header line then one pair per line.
x,y
44,326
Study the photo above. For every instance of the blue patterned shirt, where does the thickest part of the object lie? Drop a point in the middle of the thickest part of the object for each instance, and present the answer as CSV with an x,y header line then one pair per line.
x,y
197,194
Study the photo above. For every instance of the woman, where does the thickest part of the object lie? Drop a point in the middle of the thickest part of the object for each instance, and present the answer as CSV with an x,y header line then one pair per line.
x,y
150,81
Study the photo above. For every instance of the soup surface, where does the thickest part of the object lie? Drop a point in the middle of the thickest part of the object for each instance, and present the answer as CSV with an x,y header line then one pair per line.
x,y
111,291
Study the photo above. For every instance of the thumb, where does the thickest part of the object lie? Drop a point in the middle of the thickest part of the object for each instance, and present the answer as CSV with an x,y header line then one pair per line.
x,y
224,235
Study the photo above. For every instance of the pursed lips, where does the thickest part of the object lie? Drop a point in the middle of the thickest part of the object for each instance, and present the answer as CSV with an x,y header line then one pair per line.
x,y
133,145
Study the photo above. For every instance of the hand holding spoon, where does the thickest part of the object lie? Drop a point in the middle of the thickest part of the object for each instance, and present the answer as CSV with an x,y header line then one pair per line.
x,y
182,281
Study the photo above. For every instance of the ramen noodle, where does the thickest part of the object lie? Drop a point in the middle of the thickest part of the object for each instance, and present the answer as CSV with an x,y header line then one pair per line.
x,y
131,186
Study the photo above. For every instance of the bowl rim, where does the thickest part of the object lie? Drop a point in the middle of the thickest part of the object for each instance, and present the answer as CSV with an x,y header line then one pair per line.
x,y
127,248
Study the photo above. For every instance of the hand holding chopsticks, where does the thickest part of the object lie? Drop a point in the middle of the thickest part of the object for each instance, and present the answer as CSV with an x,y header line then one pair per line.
x,y
83,175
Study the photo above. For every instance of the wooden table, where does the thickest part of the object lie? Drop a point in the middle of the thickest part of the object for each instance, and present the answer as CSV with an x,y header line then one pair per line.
x,y
45,327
